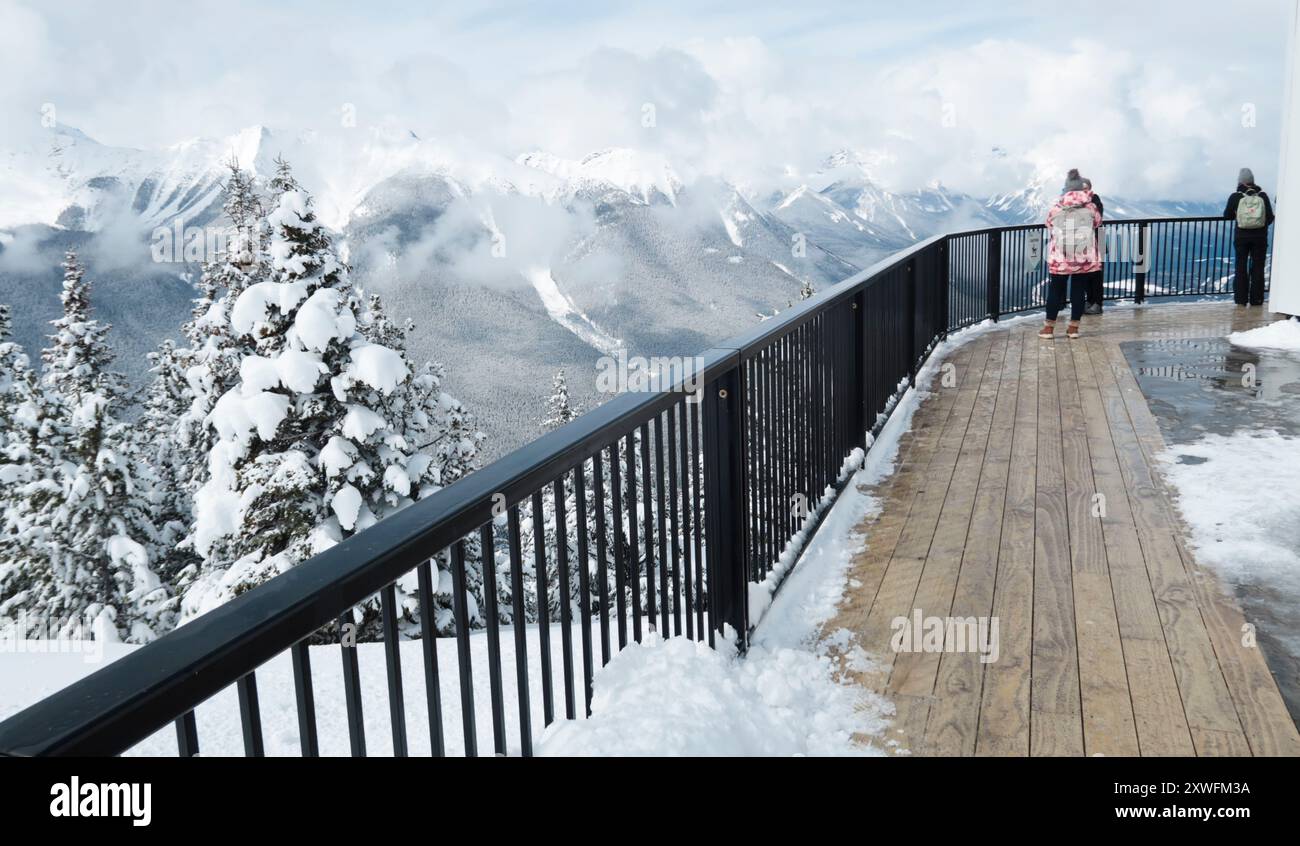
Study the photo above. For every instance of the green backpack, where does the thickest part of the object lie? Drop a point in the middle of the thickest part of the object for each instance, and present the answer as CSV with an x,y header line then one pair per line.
x,y
1250,212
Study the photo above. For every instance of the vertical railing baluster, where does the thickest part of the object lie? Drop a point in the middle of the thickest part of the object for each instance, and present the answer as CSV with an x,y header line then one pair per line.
x,y
429,647
620,543
566,595
543,609
305,698
701,507
688,508
250,716
634,495
492,607
647,525
753,504
788,399
352,685
765,465
393,663
674,524
464,658
584,578
602,563
187,735
1140,276
661,500
520,630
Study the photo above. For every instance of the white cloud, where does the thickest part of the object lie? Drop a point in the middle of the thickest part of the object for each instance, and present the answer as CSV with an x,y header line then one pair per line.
x,y
1146,98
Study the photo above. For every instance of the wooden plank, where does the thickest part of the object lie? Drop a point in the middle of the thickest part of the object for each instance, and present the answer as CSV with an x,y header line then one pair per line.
x,y
1054,685
954,715
1004,700
1055,735
1217,744
1205,696
916,451
908,726
1108,724
897,592
1157,709
914,672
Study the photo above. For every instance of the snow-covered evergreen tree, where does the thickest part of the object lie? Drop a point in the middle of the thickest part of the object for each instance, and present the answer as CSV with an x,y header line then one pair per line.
x,y
284,180
559,409
78,529
161,443
326,431
20,417
15,380
443,442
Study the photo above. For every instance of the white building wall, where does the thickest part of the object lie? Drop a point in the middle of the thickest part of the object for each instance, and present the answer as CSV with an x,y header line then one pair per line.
x,y
1284,284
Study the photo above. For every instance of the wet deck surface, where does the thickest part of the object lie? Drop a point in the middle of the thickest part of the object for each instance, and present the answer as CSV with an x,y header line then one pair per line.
x,y
1206,386
1027,494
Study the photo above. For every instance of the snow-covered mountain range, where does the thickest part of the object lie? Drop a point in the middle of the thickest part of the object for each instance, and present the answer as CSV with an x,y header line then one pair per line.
x,y
511,268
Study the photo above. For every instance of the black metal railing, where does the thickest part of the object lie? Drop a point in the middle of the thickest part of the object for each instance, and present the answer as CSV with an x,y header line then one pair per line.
x,y
682,497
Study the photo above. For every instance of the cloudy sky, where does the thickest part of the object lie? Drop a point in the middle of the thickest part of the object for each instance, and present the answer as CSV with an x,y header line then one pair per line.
x,y
1152,99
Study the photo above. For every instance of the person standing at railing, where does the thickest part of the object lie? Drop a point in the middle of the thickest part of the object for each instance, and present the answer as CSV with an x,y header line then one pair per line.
x,y
1095,279
1253,211
1072,227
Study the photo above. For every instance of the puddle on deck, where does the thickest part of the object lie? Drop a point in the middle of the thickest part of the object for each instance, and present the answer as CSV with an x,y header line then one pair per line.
x,y
1205,386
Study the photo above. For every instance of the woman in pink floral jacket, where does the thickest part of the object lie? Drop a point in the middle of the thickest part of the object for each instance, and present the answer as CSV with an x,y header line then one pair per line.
x,y
1073,253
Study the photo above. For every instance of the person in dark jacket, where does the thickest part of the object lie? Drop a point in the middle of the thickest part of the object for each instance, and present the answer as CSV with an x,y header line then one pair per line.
x,y
1095,279
1251,239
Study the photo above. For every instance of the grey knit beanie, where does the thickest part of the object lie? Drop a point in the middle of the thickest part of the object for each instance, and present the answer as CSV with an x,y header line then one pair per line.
x,y
1245,176
1073,182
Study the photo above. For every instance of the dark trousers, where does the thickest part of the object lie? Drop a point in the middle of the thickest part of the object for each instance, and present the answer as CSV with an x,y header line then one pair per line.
x,y
1250,266
1056,285
1095,293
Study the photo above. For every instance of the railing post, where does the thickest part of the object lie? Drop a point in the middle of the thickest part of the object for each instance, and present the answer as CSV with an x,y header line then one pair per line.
x,y
911,321
724,503
859,306
1140,276
994,284
945,284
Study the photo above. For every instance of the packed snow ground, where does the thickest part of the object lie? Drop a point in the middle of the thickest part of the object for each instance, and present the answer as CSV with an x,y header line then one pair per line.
x,y
1240,503
787,696
1282,335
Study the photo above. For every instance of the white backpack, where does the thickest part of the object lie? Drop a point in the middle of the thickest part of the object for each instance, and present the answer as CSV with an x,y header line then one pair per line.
x,y
1073,233
1250,212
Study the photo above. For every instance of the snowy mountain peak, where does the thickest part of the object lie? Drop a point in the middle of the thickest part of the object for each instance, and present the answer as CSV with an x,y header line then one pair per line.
x,y
861,164
643,175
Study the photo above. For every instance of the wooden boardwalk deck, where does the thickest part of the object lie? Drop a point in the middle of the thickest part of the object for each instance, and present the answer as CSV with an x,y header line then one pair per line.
x,y
1026,491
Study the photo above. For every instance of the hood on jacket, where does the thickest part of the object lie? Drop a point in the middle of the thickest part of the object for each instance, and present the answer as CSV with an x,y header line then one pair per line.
x,y
1075,198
